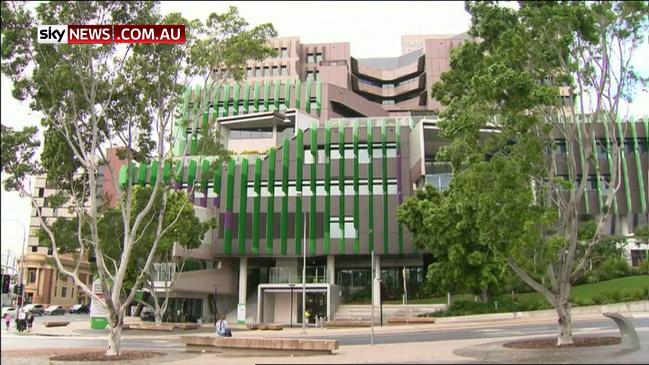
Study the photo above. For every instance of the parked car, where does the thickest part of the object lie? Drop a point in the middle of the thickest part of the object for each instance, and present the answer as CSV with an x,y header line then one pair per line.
x,y
37,309
54,310
79,309
147,314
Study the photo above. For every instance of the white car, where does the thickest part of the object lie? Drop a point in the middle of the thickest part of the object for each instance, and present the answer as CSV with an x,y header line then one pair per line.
x,y
54,310
10,310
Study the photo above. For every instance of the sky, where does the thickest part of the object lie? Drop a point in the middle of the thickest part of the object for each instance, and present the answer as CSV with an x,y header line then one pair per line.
x,y
373,29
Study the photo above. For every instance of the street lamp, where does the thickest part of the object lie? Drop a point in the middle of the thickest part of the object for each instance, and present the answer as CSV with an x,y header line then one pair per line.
x,y
291,285
299,195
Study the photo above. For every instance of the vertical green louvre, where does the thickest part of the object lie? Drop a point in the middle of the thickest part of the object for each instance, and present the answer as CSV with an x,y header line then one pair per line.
x,y
636,148
399,226
582,158
215,100
299,162
226,100
141,175
276,96
370,186
307,96
246,97
356,190
312,205
243,202
610,163
284,217
298,93
205,168
287,94
179,171
327,186
266,95
597,173
154,172
256,206
318,96
229,203
341,186
625,172
166,172
256,97
235,100
384,162
191,174
216,187
270,214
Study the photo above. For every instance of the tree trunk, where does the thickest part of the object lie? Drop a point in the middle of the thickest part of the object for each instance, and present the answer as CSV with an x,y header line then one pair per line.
x,y
115,340
484,294
158,316
564,335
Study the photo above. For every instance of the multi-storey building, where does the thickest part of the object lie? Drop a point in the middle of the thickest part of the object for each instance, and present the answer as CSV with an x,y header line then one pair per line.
x,y
329,191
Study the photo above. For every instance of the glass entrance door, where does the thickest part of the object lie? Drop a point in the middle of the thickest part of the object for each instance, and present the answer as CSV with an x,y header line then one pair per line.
x,y
316,305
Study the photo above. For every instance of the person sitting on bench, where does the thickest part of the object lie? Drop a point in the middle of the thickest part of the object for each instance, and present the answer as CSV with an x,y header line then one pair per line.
x,y
222,328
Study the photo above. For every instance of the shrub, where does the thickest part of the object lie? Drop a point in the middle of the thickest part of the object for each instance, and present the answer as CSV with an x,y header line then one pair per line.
x,y
614,267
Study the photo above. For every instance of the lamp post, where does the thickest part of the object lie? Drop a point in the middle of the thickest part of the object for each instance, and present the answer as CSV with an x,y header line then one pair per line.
x,y
299,194
291,285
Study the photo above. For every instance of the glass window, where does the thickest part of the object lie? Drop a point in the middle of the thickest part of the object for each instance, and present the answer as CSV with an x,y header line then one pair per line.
x,y
348,228
629,145
388,102
64,291
644,146
266,71
602,150
310,58
284,70
309,75
258,71
275,71
284,52
560,147
249,72
31,275
388,86
318,57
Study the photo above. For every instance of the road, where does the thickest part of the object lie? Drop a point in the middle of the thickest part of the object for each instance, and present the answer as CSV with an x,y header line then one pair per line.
x,y
13,341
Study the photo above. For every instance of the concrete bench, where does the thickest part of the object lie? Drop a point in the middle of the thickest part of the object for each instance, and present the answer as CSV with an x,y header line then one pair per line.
x,y
55,323
348,323
151,326
252,326
249,346
629,335
411,320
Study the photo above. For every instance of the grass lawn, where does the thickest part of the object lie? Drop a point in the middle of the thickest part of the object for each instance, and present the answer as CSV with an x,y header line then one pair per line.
x,y
581,292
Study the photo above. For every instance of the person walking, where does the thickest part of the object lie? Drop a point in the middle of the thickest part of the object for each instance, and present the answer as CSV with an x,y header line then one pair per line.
x,y
7,318
30,321
20,321
222,328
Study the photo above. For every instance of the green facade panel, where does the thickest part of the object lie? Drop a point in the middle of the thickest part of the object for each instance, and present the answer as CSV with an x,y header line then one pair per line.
x,y
299,162
229,205
356,189
284,215
287,94
205,169
226,100
327,186
370,186
307,96
256,207
312,205
271,201
256,97
318,96
276,96
154,172
235,99
166,172
243,202
341,186
298,93
638,164
216,99
625,172
384,181
266,96
141,174
246,97
399,226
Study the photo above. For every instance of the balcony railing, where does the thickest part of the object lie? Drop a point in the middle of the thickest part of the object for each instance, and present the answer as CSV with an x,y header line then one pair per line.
x,y
292,275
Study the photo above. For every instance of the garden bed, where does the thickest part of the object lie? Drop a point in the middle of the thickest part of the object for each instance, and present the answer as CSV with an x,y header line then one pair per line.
x,y
551,342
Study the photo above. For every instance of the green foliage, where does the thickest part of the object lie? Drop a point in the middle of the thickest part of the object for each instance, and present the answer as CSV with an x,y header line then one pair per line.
x,y
18,150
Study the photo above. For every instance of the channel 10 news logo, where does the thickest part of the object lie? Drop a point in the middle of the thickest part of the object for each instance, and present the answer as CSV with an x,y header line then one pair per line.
x,y
106,34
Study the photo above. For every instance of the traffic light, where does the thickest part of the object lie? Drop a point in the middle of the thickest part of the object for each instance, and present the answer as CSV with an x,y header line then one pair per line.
x,y
6,280
18,289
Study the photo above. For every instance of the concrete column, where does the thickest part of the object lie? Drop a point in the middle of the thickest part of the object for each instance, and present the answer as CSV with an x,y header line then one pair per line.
x,y
331,269
243,288
376,298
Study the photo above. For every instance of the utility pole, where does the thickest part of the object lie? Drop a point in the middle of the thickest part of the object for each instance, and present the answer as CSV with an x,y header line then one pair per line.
x,y
372,312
